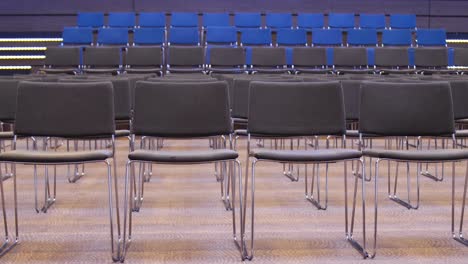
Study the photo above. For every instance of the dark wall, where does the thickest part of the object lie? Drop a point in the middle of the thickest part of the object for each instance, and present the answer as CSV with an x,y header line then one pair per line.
x,y
52,15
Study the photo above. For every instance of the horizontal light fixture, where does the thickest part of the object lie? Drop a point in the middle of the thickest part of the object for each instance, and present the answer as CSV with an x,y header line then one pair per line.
x,y
22,57
31,39
9,68
23,48
457,41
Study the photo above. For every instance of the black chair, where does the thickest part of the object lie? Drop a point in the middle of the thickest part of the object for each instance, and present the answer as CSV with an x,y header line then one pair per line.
x,y
159,109
226,60
144,60
268,60
410,110
392,60
102,60
351,60
59,60
185,59
432,60
47,110
313,109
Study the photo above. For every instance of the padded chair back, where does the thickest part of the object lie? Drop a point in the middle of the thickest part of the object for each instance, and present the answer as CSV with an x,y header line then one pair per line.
x,y
184,36
149,36
90,19
397,37
375,21
431,37
327,37
431,57
362,37
460,57
216,20
391,57
75,35
310,21
121,19
248,20
62,56
406,109
183,19
149,19
221,35
122,94
185,56
195,109
291,37
112,36
278,20
309,57
65,109
256,36
144,56
8,94
227,56
352,98
268,57
350,57
101,56
296,109
405,21
459,98
341,20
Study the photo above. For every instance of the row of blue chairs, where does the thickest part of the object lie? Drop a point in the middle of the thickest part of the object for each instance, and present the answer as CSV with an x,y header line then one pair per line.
x,y
248,20
257,36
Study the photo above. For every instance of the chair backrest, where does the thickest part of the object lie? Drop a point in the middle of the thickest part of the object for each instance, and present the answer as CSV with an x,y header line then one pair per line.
x,y
310,21
268,57
406,109
224,35
227,56
121,91
149,36
121,19
256,36
8,94
391,57
184,36
279,20
192,109
112,36
65,109
62,56
216,20
248,20
431,57
460,57
291,37
352,98
185,56
149,19
374,21
101,56
184,19
431,37
296,109
324,37
459,98
341,20
402,21
309,57
397,37
144,56
75,35
362,37
350,57
90,19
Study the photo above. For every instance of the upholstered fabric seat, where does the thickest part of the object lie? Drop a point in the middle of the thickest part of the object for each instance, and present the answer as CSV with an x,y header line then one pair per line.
x,y
305,155
54,157
196,156
418,155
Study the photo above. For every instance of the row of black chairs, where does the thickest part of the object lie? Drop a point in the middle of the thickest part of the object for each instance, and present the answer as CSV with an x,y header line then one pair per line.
x,y
315,108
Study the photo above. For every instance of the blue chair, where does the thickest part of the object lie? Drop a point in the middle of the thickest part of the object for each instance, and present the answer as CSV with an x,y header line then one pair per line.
x,y
184,36
216,20
362,37
90,19
180,19
256,36
372,21
431,37
397,37
279,20
112,36
310,21
221,35
291,37
149,36
327,37
152,20
341,20
248,20
76,35
403,21
122,19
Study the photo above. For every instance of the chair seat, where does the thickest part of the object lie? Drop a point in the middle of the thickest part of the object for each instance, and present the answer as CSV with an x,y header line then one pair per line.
x,y
269,70
6,135
143,70
54,157
101,70
312,70
195,156
461,133
397,71
60,70
305,155
355,134
122,133
185,70
241,132
226,70
418,155
354,71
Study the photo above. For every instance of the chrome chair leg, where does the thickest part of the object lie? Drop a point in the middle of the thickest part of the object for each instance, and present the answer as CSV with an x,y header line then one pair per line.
x,y
238,239
310,195
429,175
9,243
128,205
393,195
49,197
457,235
138,189
116,244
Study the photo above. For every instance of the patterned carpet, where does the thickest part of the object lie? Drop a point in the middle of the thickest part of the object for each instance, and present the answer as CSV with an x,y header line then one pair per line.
x,y
183,221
